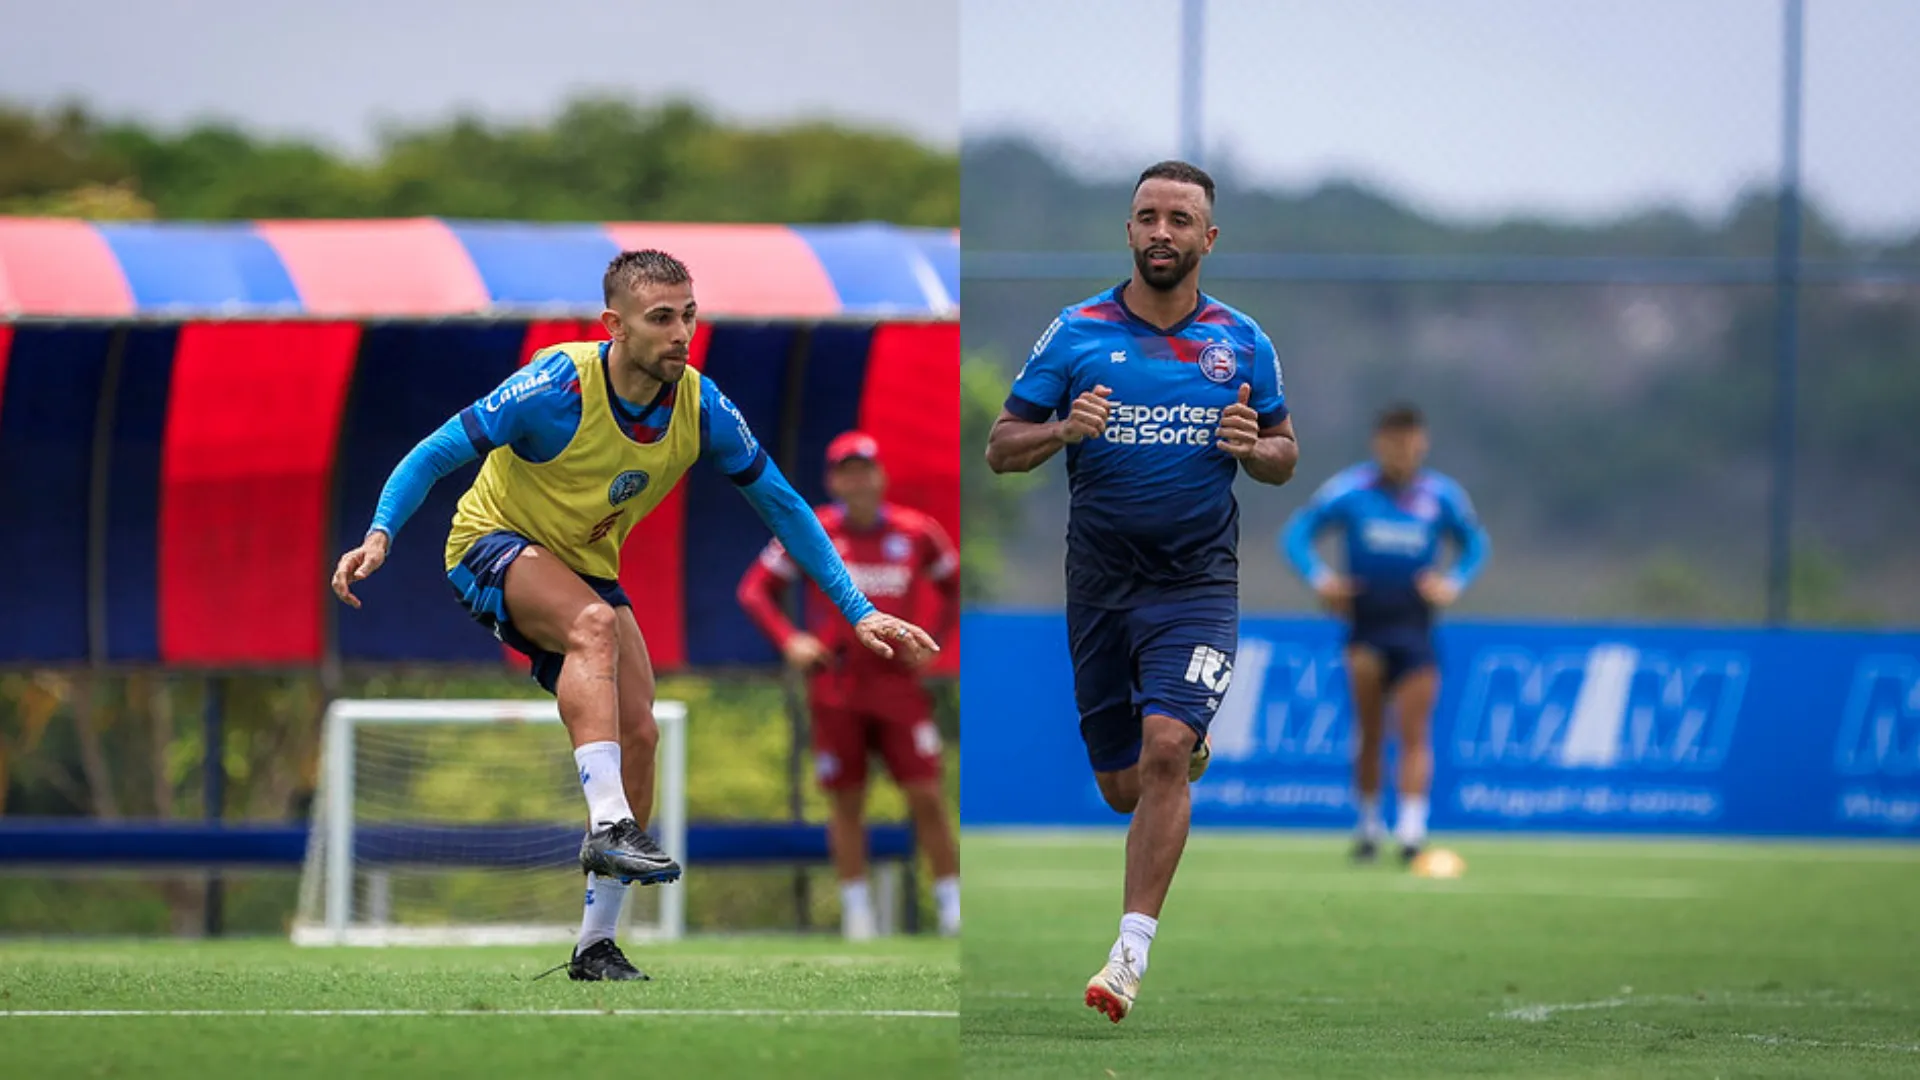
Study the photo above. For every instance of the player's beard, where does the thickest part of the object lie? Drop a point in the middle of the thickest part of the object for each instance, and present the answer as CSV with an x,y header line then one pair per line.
x,y
1167,277
668,368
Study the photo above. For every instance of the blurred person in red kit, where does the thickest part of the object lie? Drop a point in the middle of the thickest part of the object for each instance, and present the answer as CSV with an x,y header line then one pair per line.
x,y
861,704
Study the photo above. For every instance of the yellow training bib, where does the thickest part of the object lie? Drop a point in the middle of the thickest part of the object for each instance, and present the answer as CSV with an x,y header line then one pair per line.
x,y
582,504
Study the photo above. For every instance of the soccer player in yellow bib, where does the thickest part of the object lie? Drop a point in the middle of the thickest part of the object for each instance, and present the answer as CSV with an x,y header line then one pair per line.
x,y
580,445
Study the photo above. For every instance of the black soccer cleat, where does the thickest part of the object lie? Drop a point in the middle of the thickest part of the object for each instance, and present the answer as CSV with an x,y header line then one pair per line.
x,y
603,961
1408,853
623,852
1364,850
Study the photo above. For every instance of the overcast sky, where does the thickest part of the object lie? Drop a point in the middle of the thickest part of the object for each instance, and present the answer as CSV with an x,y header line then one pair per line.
x,y
1474,107
332,69
1471,107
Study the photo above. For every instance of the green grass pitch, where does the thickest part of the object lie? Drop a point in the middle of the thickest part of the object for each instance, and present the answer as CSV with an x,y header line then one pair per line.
x,y
762,1006
1549,958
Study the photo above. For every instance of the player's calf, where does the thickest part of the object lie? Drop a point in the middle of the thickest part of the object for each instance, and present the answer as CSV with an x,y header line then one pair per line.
x,y
1121,788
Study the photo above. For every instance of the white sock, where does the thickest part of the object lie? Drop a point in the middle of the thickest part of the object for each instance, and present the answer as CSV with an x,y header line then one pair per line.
x,y
1370,824
1136,935
946,897
856,900
601,915
600,777
1411,827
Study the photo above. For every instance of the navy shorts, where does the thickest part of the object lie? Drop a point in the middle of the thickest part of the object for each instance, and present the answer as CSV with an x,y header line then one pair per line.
x,y
480,581
1403,649
1172,659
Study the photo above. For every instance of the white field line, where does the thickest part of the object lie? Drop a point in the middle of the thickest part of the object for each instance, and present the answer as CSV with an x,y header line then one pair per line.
x,y
1536,1013
781,1014
1830,1044
1530,845
1350,882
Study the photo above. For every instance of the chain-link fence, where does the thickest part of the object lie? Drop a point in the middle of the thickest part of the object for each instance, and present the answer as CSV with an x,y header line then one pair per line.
x,y
1605,388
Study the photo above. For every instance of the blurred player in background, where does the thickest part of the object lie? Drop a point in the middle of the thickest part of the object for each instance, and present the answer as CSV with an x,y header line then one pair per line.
x,y
1393,513
1160,395
861,703
581,444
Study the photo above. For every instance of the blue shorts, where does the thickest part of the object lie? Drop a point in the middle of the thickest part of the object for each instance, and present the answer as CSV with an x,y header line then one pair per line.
x,y
480,581
1171,659
1403,649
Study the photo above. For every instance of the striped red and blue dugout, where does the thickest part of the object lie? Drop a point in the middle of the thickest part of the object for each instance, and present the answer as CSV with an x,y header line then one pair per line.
x,y
431,268
195,419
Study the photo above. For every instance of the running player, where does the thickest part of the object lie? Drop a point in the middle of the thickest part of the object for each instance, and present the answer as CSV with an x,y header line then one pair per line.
x,y
861,703
580,445
1393,514
1161,395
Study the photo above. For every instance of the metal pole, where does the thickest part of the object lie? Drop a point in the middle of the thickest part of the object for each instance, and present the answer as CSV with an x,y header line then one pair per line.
x,y
1193,24
214,776
1786,323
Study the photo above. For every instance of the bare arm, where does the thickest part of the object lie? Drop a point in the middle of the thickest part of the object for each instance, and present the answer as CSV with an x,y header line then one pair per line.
x,y
1274,455
1016,445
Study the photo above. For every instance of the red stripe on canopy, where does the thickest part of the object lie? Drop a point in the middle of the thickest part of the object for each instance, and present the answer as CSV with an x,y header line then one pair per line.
x,y
911,407
367,269
52,266
6,347
252,421
741,270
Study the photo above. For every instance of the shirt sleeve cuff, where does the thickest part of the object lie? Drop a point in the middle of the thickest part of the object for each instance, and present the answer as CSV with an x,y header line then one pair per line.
x,y
1274,418
1022,409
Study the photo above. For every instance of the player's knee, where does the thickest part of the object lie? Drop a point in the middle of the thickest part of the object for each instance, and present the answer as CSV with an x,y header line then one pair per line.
x,y
1165,751
924,798
849,803
595,629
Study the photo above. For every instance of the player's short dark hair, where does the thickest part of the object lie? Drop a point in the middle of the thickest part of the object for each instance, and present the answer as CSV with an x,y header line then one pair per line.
x,y
1401,417
1180,172
630,268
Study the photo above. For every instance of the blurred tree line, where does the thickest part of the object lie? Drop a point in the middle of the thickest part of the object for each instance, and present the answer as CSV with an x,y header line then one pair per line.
x,y
116,745
597,160
1617,438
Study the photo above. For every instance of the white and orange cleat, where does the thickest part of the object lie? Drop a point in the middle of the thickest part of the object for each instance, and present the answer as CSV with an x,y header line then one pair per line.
x,y
1112,990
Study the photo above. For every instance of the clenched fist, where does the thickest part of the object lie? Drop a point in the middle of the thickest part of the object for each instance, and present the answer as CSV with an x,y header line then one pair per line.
x,y
1088,417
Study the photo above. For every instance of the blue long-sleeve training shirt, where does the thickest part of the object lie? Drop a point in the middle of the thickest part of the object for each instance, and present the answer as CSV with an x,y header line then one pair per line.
x,y
535,413
1391,534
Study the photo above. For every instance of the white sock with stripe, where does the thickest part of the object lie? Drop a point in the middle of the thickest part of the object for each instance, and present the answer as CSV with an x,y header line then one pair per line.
x,y
600,778
601,915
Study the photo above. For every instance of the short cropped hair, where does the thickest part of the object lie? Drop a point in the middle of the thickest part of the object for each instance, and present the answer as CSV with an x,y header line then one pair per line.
x,y
630,268
1181,172
1402,417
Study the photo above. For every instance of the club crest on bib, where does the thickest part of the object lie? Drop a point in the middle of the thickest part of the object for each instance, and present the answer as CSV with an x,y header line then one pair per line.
x,y
1217,363
896,547
626,486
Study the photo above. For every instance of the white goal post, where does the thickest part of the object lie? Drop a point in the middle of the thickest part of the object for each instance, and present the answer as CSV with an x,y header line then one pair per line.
x,y
459,823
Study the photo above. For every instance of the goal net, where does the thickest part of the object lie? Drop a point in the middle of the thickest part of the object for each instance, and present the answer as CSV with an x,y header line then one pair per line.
x,y
459,823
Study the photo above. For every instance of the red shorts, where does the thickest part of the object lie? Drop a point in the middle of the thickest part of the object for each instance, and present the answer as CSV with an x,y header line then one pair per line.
x,y
844,737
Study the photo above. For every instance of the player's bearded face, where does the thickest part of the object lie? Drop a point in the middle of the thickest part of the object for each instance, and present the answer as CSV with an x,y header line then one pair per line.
x,y
1169,231
655,328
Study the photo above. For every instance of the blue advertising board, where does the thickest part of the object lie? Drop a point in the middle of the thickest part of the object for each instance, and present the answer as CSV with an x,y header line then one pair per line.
x,y
1559,728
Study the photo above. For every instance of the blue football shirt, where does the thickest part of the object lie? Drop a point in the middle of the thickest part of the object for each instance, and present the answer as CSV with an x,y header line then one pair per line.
x,y
1152,515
